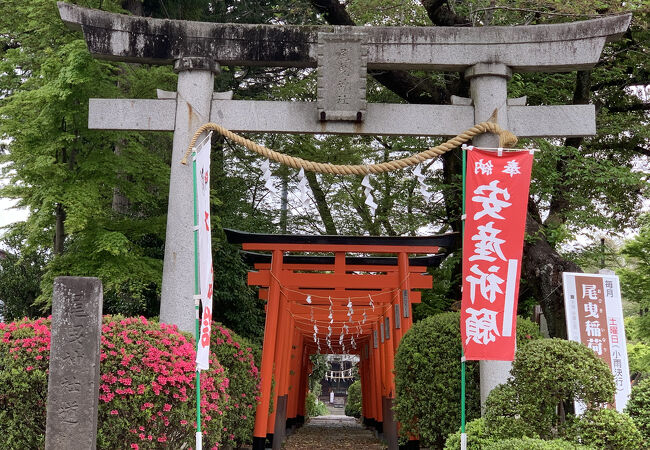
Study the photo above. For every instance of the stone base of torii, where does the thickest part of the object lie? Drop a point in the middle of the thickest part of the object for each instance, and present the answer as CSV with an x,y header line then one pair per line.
x,y
486,55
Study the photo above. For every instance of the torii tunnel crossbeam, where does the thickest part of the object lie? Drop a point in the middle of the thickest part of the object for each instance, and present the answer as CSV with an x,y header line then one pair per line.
x,y
334,304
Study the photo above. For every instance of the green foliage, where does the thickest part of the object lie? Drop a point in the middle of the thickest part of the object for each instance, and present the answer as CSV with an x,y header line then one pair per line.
x,y
547,374
527,331
236,355
635,277
506,416
533,444
21,270
313,406
353,403
427,376
146,392
606,428
236,303
638,407
639,359
320,366
427,379
477,436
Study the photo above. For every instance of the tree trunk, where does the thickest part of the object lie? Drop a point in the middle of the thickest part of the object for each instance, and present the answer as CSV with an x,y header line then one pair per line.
x,y
284,203
120,203
321,203
542,268
59,232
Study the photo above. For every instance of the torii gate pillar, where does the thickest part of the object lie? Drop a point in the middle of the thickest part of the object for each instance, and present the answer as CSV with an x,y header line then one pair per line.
x,y
489,91
193,103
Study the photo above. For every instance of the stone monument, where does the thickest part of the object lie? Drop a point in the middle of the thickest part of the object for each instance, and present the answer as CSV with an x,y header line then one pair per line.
x,y
487,55
73,381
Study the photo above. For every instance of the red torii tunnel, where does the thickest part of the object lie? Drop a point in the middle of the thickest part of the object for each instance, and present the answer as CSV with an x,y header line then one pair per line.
x,y
334,303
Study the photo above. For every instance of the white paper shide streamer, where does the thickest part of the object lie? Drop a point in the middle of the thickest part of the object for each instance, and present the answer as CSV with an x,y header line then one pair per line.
x,y
266,175
302,188
367,190
423,187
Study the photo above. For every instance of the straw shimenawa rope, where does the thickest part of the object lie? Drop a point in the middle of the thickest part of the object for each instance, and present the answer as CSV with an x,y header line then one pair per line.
x,y
506,140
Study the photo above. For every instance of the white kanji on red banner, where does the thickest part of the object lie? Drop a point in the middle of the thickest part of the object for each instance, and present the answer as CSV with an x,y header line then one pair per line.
x,y
205,254
497,195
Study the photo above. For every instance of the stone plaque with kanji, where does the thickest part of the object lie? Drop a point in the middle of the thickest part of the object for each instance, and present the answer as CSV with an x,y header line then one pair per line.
x,y
342,60
73,383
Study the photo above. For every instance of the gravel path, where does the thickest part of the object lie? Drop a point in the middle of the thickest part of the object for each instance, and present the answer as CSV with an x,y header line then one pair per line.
x,y
333,432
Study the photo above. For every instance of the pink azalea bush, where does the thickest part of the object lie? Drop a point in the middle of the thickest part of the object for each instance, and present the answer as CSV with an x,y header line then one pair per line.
x,y
238,357
146,393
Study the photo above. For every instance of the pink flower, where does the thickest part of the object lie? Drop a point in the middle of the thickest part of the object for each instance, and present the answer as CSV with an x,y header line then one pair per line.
x,y
28,368
114,412
135,446
167,407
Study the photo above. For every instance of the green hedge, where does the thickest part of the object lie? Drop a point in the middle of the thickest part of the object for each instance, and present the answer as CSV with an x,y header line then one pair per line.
x,y
606,428
314,407
237,355
353,403
427,380
427,377
547,373
638,407
477,436
527,443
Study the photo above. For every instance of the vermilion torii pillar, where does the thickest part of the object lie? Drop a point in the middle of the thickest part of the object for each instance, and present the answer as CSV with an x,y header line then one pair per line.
x,y
487,55
335,304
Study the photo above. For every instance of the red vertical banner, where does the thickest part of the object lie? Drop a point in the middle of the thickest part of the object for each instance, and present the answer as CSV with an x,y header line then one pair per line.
x,y
496,190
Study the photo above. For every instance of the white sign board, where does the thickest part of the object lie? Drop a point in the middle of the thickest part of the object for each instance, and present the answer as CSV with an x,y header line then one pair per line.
x,y
594,317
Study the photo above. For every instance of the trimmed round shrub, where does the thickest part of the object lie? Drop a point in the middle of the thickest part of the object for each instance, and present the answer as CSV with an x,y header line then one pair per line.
x,y
550,372
353,403
146,393
533,444
505,414
477,436
606,428
236,355
427,377
638,407
427,380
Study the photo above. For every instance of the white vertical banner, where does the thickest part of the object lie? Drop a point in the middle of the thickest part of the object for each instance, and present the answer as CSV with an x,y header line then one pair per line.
x,y
594,316
202,181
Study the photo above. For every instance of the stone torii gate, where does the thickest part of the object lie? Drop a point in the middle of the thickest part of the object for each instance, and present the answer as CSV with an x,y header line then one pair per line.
x,y
487,55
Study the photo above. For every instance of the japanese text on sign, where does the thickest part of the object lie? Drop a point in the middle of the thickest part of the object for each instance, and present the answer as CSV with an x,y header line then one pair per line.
x,y
202,180
496,199
595,317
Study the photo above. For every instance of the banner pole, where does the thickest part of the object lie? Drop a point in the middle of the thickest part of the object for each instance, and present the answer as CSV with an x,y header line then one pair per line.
x,y
463,435
197,300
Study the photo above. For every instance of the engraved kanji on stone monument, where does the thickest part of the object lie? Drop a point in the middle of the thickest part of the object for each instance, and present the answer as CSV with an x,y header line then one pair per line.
x,y
342,61
73,383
